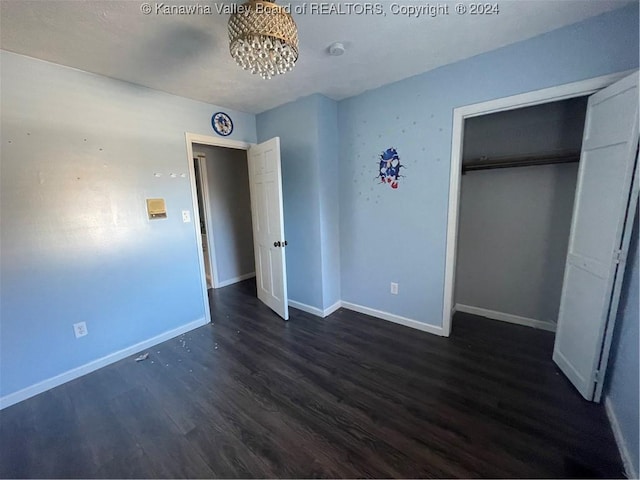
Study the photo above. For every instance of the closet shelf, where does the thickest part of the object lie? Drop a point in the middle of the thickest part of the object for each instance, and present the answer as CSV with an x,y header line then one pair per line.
x,y
488,163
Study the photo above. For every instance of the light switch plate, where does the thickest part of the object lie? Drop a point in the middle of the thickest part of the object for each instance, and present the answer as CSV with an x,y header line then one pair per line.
x,y
186,216
80,329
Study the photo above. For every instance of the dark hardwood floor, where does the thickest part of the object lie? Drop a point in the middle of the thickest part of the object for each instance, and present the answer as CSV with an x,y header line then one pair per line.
x,y
347,396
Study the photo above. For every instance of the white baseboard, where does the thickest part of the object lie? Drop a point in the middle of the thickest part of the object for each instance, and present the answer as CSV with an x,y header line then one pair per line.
x,y
314,310
231,281
407,322
307,308
506,317
620,441
74,373
336,306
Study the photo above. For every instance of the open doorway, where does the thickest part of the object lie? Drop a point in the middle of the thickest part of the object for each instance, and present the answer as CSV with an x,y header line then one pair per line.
x,y
519,174
206,272
224,207
249,227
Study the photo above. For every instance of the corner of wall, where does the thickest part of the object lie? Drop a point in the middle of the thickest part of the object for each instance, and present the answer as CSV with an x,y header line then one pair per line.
x,y
328,163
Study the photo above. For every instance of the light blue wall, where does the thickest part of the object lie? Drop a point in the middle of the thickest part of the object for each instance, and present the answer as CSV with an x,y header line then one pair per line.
x,y
308,141
79,153
623,373
400,235
296,124
329,174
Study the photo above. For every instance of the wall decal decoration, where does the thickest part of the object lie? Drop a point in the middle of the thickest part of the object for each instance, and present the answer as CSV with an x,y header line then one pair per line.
x,y
222,124
390,167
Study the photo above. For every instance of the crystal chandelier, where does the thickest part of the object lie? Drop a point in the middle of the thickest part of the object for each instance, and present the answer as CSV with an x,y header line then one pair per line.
x,y
263,38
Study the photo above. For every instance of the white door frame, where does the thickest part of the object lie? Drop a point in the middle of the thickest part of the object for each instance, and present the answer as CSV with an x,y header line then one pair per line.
x,y
553,94
204,194
192,138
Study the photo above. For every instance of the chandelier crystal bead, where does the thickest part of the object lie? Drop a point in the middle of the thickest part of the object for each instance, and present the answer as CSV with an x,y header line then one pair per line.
x,y
263,38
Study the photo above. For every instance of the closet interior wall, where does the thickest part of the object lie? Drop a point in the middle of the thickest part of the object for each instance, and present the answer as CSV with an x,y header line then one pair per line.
x,y
520,171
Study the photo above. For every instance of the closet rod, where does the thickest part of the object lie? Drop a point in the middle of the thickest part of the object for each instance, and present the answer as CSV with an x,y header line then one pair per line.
x,y
528,161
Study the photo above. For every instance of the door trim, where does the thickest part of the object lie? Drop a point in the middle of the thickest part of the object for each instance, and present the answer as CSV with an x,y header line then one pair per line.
x,y
537,97
208,222
190,139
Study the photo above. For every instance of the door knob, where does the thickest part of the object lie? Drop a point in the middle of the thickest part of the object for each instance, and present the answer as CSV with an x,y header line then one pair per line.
x,y
276,244
284,244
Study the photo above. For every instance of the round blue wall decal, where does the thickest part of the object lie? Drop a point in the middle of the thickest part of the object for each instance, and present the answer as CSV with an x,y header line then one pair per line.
x,y
222,124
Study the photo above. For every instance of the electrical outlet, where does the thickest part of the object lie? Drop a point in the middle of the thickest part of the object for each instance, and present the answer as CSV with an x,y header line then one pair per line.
x,y
394,288
80,329
186,216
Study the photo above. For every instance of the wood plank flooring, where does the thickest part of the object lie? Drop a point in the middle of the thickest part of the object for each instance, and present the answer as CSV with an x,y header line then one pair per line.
x,y
349,396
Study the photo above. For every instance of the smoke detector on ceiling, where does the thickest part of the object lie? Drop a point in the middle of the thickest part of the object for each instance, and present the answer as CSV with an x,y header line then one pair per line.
x,y
336,49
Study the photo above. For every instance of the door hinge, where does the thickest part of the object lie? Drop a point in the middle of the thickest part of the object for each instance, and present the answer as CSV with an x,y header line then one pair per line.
x,y
596,376
618,256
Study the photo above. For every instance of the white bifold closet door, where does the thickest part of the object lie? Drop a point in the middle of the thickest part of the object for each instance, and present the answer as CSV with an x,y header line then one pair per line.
x,y
606,197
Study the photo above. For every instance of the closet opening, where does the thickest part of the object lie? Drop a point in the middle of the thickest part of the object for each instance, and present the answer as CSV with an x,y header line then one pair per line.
x,y
603,212
519,172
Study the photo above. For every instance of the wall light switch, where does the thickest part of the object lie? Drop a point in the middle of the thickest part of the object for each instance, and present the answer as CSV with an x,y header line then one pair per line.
x,y
186,216
394,288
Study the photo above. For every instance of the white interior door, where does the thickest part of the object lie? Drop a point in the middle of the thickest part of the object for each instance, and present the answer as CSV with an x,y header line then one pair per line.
x,y
265,181
595,255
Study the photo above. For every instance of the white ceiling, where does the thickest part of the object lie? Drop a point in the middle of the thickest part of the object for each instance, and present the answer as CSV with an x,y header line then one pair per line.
x,y
187,55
